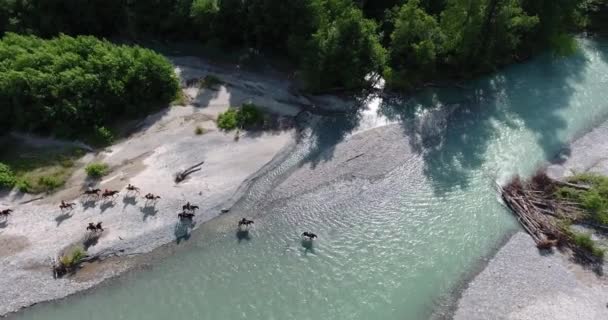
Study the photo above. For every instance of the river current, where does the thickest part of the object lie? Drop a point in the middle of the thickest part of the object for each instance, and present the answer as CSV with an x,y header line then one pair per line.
x,y
400,193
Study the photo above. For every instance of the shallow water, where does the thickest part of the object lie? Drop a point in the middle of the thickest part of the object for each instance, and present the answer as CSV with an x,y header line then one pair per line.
x,y
392,243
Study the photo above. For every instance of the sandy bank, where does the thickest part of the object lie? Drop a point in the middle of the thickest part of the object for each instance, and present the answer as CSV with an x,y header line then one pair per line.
x,y
163,144
522,283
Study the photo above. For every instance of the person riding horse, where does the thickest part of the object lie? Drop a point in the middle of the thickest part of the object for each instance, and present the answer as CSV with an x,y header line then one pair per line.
x,y
309,235
90,192
132,188
185,216
245,222
189,207
95,227
66,205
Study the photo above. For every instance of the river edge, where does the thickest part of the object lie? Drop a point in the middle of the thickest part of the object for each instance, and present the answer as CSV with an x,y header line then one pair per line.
x,y
517,281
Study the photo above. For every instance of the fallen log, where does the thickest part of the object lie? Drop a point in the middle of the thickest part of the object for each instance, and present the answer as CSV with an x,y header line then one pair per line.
x,y
182,175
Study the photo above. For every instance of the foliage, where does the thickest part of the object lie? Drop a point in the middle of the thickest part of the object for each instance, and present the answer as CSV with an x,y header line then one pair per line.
x,y
73,257
227,120
343,52
594,201
248,116
199,130
96,170
7,177
67,86
336,43
584,241
181,99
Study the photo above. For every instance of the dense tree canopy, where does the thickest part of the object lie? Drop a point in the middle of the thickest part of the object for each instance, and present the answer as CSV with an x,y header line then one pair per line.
x,y
336,43
78,85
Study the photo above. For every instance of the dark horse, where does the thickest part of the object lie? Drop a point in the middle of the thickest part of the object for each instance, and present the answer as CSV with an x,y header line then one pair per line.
x,y
189,207
5,213
66,205
152,197
109,193
95,227
185,216
245,222
309,235
91,192
132,188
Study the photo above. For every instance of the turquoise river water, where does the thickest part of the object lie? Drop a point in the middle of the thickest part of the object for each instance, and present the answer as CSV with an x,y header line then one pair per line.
x,y
397,236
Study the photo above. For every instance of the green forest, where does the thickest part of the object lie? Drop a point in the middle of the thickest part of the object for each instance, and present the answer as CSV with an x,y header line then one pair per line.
x,y
59,75
333,43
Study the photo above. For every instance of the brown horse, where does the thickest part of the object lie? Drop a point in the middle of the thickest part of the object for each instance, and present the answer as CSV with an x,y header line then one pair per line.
x,y
245,222
185,216
132,188
91,192
189,207
5,213
309,235
66,205
151,197
95,227
109,193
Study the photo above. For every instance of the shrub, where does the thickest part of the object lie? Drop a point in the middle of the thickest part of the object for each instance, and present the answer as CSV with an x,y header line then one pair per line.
x,y
71,86
72,258
180,99
584,241
7,177
249,116
50,183
199,130
228,120
96,170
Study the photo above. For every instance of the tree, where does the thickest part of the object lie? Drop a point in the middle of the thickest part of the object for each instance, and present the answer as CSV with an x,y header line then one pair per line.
x,y
343,52
416,43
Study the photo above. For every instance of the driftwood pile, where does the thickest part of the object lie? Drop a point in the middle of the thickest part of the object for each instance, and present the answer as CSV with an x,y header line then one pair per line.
x,y
540,213
182,175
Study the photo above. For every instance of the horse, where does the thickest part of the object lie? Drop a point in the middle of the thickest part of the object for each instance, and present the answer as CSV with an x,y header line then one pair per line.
x,y
91,192
109,193
309,235
245,222
151,197
5,213
132,188
185,216
66,205
189,207
95,227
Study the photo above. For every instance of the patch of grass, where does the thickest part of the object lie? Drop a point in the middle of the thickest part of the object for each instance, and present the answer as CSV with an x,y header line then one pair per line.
x,y
73,257
247,116
39,169
594,200
7,177
181,99
199,130
96,170
584,241
210,81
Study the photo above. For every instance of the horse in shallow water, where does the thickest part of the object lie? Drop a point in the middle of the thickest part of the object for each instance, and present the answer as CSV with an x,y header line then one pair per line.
x,y
245,222
309,235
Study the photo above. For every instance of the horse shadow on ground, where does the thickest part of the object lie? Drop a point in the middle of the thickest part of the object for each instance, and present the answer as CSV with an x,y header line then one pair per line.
x,y
243,235
129,201
182,230
3,224
89,204
63,217
148,211
107,205
91,240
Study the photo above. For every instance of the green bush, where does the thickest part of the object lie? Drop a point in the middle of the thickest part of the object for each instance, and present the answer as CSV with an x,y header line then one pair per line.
x,y
584,241
228,120
199,130
50,183
73,86
7,177
96,170
73,258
